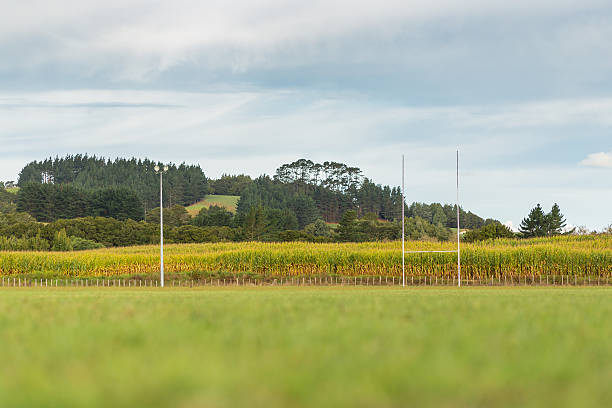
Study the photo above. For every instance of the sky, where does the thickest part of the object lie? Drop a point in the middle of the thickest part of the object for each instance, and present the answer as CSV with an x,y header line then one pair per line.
x,y
523,89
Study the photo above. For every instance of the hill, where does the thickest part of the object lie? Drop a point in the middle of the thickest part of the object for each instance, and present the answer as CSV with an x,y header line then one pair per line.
x,y
297,196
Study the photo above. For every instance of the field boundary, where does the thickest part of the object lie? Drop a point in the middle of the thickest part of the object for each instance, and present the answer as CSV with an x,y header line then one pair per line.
x,y
411,281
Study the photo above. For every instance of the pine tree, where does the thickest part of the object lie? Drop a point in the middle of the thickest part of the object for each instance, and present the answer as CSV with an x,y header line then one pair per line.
x,y
347,226
535,224
255,223
555,221
439,218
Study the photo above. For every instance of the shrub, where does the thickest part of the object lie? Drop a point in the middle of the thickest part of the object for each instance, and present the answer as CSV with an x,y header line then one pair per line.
x,y
80,244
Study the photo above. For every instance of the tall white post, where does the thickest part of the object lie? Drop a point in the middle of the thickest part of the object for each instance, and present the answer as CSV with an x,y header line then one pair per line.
x,y
458,230
403,238
161,228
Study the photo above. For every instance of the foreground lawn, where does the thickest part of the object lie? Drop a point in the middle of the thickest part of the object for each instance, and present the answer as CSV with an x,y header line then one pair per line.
x,y
273,347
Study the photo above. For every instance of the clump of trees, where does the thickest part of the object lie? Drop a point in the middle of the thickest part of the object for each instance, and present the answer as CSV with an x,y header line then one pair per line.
x,y
214,216
60,242
540,224
328,190
490,231
50,202
183,184
446,215
353,229
336,188
105,202
229,184
92,232
174,216
536,224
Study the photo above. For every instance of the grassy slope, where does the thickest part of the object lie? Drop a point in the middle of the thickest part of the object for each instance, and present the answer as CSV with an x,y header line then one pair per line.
x,y
305,347
229,202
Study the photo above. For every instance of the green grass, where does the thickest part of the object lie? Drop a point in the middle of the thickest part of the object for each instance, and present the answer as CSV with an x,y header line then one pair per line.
x,y
305,347
226,201
13,190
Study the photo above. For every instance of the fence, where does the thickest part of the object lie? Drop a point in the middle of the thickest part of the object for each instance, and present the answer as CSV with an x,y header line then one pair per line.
x,y
534,280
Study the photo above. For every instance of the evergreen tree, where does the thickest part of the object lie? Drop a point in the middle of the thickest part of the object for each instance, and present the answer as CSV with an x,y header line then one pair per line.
x,y
304,208
230,185
535,224
347,227
555,221
213,216
280,220
439,218
255,223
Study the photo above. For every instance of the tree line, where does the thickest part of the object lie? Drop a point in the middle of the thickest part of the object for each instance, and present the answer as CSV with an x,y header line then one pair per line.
x,y
333,188
21,231
540,224
50,202
536,224
301,191
304,200
183,184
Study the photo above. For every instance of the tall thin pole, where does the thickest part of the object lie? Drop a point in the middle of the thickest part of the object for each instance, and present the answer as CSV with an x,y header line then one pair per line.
x,y
403,240
161,229
458,230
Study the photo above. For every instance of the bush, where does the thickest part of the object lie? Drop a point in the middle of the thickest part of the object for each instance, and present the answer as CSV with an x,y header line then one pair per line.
x,y
489,231
319,228
80,244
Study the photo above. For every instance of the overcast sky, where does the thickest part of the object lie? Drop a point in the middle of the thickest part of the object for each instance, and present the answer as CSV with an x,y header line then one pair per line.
x,y
523,88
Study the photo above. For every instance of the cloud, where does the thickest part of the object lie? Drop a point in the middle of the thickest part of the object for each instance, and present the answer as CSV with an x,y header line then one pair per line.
x,y
600,159
510,154
436,49
511,226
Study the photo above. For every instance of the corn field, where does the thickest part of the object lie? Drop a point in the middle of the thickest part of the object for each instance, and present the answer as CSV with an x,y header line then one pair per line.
x,y
575,256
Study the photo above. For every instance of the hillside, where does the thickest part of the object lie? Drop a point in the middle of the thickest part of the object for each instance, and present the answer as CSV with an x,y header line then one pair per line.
x,y
228,202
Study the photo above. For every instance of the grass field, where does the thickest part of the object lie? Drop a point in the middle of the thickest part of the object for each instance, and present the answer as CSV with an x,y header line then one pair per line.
x,y
225,201
290,347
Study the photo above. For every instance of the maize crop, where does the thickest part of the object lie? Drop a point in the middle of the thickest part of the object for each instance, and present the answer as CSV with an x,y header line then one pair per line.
x,y
579,256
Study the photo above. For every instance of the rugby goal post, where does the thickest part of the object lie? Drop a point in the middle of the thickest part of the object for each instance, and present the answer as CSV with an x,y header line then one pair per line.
x,y
404,252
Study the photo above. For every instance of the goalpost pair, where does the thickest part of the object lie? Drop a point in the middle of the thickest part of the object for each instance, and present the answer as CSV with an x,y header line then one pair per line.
x,y
404,252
